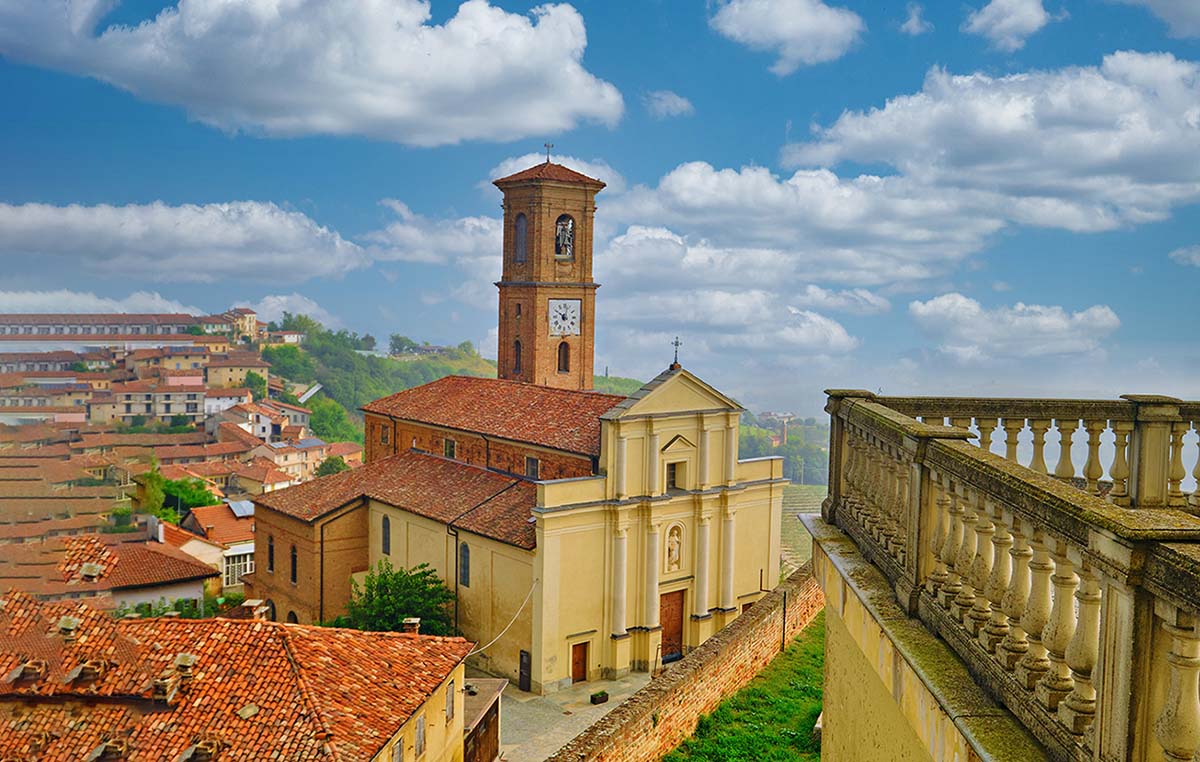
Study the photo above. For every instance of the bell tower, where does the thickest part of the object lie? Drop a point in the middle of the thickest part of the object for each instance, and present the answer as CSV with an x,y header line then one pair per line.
x,y
547,295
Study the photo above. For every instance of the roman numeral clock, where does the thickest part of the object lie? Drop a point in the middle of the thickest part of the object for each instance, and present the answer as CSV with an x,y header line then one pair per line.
x,y
564,317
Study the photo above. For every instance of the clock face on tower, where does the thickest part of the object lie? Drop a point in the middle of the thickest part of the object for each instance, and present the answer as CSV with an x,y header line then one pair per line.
x,y
564,317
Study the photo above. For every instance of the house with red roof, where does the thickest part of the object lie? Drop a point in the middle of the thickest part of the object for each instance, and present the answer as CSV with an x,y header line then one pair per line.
x,y
584,535
83,685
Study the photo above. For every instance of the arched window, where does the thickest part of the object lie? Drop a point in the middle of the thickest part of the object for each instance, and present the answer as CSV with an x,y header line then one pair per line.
x,y
292,618
464,564
521,239
293,564
517,356
385,540
271,610
271,553
564,357
564,237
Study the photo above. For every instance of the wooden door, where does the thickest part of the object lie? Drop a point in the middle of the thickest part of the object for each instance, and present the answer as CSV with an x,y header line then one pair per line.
x,y
670,616
579,662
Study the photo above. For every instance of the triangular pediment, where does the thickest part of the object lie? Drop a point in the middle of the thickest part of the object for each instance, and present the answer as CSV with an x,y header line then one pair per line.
x,y
673,392
678,443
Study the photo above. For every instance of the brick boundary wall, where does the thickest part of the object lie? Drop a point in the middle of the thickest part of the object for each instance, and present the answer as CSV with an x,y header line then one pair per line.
x,y
664,713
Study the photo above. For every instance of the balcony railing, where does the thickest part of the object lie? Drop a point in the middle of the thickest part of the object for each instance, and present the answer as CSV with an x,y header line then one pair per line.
x,y
1072,594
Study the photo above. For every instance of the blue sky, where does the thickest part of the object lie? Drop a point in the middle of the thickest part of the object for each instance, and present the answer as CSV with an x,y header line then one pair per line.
x,y
980,197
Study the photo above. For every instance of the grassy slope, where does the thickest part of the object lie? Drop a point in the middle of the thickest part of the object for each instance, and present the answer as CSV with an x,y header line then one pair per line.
x,y
772,718
616,385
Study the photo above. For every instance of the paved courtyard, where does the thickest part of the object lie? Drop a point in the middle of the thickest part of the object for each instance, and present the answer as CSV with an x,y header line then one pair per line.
x,y
533,727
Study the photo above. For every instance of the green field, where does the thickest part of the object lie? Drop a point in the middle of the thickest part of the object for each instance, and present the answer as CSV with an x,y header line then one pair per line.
x,y
797,544
772,718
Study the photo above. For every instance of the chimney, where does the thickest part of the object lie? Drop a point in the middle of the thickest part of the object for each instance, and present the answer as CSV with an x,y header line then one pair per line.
x,y
411,625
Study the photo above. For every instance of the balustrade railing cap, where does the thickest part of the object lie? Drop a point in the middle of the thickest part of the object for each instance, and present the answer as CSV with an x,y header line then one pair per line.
x,y
1152,399
839,393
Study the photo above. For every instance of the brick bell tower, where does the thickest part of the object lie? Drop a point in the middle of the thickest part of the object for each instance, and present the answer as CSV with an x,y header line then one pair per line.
x,y
547,295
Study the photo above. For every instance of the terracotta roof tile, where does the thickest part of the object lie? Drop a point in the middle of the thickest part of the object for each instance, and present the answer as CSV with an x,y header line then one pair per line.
x,y
478,500
560,419
220,524
318,693
548,170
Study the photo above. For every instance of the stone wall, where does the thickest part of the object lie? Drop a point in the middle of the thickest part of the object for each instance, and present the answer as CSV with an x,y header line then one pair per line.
x,y
660,716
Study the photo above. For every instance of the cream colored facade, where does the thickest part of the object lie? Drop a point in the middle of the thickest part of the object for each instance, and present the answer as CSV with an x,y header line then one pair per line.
x,y
612,549
232,376
442,731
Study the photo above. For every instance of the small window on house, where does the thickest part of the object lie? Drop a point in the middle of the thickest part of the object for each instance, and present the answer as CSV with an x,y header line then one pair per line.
x,y
419,743
521,239
293,564
292,618
464,564
564,357
384,435
672,476
449,701
533,467
271,553
385,535
517,356
449,448
518,306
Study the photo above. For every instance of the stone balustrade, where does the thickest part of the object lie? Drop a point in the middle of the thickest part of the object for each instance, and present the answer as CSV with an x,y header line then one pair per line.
x,y
1076,608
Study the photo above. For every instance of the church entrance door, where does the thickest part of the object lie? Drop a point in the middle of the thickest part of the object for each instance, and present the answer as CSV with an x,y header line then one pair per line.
x,y
670,615
579,662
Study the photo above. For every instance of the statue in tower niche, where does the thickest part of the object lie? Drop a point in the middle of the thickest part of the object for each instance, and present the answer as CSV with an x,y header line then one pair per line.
x,y
674,549
564,237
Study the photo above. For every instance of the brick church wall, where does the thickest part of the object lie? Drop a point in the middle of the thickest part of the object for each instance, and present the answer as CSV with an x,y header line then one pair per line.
x,y
469,448
661,715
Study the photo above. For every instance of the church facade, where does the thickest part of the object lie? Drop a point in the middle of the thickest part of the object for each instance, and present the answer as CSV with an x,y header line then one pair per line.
x,y
584,534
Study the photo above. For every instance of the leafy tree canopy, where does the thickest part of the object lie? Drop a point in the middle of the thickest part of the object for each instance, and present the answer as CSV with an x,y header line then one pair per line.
x,y
335,464
398,344
256,384
389,595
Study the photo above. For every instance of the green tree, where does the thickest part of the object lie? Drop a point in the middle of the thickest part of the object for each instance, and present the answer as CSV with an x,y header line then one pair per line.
x,y
367,342
398,344
78,367
154,496
184,494
256,384
331,422
178,421
291,362
335,464
194,330
388,596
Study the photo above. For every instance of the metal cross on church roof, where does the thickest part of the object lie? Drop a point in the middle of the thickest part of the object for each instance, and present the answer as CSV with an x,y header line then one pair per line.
x,y
548,147
677,344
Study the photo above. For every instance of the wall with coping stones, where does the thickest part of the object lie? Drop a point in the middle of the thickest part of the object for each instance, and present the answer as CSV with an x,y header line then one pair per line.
x,y
661,715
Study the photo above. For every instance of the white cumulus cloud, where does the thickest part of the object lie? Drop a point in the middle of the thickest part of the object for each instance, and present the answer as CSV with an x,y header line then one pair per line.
x,y
857,301
915,25
665,103
1187,255
196,243
969,332
271,308
65,300
1182,16
1080,148
799,32
415,238
1007,23
311,67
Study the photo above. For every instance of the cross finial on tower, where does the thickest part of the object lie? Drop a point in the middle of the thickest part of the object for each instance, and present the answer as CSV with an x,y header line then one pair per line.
x,y
548,147
677,344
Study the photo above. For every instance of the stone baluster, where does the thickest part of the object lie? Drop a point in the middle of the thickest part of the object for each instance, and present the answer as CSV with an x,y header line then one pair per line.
x,y
987,427
996,628
1012,431
1065,469
1057,683
966,555
1015,645
1194,498
1092,470
949,553
981,569
1039,429
1177,729
1120,465
941,525
1175,471
1078,710
1034,664
899,544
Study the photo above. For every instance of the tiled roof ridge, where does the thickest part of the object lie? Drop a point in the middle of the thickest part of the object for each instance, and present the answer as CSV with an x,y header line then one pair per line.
x,y
306,695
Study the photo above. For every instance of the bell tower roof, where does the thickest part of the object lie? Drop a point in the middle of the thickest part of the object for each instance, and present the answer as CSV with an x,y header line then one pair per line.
x,y
548,170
